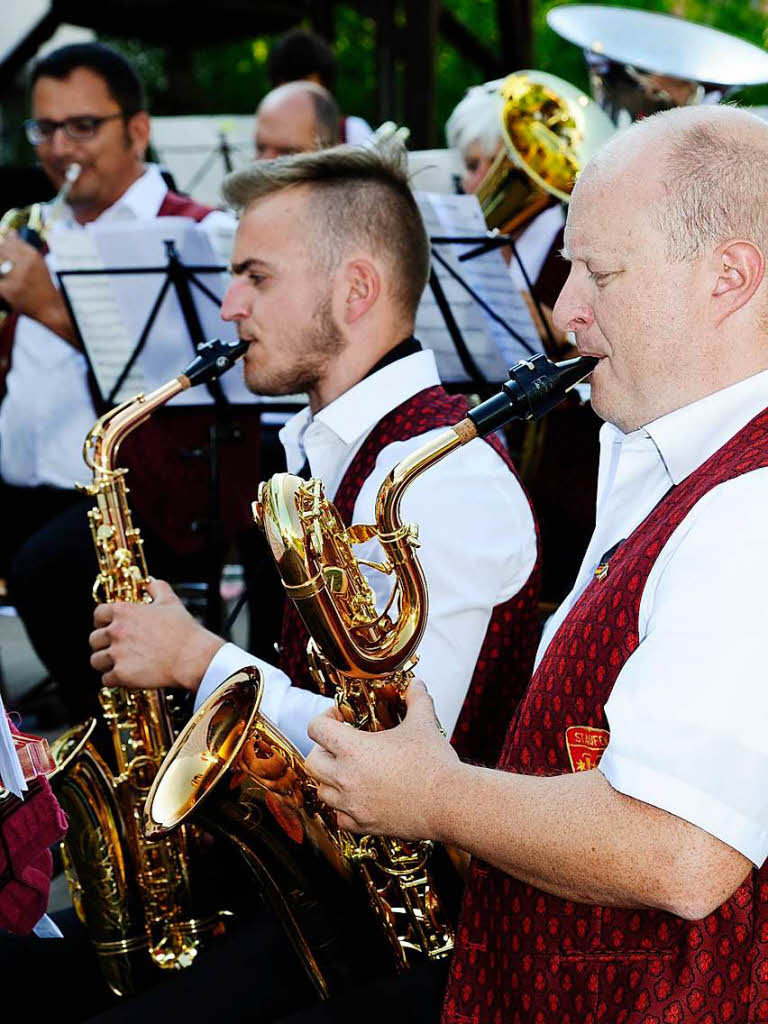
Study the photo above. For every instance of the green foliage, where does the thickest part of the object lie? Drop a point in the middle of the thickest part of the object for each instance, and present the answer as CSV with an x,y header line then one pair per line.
x,y
232,78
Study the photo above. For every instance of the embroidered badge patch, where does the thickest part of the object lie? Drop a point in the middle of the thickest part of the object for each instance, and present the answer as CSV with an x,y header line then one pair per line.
x,y
585,746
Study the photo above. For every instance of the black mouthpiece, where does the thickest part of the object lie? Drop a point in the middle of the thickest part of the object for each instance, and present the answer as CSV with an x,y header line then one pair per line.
x,y
534,387
214,358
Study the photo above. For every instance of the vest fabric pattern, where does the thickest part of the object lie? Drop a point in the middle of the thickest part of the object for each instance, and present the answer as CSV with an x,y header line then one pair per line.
x,y
523,955
506,656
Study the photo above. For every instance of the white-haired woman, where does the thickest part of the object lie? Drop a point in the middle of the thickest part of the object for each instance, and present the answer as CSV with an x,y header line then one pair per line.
x,y
474,128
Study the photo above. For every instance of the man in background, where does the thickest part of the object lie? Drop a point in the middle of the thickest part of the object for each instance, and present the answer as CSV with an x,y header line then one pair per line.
x,y
298,117
88,107
303,56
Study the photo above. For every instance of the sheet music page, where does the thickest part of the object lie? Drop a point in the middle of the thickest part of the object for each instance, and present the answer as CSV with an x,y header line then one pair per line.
x,y
168,348
493,348
11,774
99,316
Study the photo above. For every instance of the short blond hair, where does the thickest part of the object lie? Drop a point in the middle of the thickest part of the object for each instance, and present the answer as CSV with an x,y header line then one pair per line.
x,y
359,196
716,189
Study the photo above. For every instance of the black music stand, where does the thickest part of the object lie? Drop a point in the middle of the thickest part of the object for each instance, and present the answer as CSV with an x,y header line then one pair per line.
x,y
482,243
181,278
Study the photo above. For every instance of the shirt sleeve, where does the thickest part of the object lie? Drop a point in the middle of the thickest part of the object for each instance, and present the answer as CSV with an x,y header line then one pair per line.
x,y
477,549
688,712
289,707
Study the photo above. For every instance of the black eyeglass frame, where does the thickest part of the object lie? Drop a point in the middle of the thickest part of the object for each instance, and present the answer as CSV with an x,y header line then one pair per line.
x,y
35,136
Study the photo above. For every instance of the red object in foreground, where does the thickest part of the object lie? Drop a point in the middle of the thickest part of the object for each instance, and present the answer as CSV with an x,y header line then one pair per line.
x,y
28,827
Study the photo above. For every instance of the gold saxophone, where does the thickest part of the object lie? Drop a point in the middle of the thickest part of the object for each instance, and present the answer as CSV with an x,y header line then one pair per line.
x,y
136,899
265,799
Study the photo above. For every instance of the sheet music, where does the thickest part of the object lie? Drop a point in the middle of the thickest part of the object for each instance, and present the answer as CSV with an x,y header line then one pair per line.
x,y
11,774
96,310
113,311
492,347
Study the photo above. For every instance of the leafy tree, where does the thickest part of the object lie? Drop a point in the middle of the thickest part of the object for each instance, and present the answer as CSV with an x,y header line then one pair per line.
x,y
231,78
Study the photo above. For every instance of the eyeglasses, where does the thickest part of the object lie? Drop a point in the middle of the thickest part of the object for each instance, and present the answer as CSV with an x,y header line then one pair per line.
x,y
77,128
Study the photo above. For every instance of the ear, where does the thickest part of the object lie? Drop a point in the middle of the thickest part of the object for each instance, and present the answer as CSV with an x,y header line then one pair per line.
x,y
739,272
138,132
361,285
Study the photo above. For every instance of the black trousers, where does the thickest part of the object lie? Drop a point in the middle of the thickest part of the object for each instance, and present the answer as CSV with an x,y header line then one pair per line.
x,y
48,559
250,975
50,578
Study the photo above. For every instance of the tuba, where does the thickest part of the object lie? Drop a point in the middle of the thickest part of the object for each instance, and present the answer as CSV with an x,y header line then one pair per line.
x,y
550,129
641,62
232,766
137,900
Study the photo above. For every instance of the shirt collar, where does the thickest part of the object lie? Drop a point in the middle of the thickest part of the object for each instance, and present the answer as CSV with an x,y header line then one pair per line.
x,y
358,410
140,200
686,437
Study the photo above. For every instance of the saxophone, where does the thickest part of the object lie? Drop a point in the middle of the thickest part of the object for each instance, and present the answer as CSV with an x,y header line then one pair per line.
x,y
234,769
136,899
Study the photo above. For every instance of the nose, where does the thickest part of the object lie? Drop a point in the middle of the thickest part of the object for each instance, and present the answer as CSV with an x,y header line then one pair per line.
x,y
235,305
59,143
571,312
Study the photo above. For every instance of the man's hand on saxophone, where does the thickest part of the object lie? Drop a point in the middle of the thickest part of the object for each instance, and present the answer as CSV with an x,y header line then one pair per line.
x,y
142,646
383,783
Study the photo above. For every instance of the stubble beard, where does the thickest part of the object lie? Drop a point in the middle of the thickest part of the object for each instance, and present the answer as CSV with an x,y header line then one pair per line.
x,y
314,347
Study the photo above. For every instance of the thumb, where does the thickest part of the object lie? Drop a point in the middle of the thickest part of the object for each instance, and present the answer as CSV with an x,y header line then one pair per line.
x,y
162,592
418,700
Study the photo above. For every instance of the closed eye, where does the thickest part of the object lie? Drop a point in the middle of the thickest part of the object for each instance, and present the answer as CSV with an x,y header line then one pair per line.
x,y
600,277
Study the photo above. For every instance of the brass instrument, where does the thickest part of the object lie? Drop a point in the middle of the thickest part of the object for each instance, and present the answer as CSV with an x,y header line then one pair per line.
x,y
30,223
550,130
137,899
30,219
264,797
641,62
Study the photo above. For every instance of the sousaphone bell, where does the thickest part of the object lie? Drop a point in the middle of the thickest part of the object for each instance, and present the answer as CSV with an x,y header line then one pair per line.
x,y
642,62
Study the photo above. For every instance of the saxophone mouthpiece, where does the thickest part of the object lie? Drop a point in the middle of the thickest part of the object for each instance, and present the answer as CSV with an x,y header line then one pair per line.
x,y
213,358
534,387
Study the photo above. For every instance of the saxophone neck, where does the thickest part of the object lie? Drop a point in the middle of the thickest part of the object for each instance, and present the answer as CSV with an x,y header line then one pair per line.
x,y
107,434
411,467
213,359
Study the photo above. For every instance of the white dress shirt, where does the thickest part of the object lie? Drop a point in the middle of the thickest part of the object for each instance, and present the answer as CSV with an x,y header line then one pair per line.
x,y
688,711
47,411
478,544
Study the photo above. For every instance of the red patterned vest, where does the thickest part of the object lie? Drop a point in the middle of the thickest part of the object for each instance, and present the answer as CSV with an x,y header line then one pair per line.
x,y
525,956
175,205
506,656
